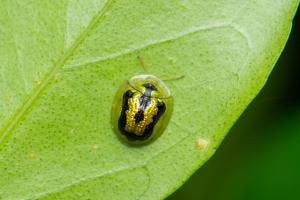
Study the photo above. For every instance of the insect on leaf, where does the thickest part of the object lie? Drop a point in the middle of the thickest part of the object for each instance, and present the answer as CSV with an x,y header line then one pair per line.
x,y
61,63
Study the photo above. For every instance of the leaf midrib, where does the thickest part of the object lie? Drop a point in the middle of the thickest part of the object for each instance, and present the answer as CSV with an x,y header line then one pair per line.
x,y
38,90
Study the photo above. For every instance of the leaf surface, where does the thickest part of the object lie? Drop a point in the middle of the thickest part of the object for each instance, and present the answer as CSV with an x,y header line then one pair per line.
x,y
61,63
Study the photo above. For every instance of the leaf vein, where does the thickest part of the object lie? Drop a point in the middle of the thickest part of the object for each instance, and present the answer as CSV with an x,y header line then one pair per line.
x,y
83,180
173,37
13,121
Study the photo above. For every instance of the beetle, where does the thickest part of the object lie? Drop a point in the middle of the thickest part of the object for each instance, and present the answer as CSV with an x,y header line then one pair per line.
x,y
142,108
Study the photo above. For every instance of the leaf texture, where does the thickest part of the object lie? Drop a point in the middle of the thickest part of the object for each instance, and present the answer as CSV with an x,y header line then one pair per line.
x,y
61,63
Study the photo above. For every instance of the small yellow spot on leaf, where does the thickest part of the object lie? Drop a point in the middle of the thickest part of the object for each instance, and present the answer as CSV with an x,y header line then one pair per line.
x,y
201,144
57,76
95,146
32,156
72,131
8,100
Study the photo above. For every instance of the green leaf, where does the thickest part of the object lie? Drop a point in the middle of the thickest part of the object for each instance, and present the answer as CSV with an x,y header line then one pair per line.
x,y
61,63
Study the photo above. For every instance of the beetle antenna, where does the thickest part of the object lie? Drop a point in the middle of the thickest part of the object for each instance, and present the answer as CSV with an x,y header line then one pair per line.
x,y
142,63
172,78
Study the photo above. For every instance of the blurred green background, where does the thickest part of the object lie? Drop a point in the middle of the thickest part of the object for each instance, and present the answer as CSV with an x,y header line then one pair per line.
x,y
260,157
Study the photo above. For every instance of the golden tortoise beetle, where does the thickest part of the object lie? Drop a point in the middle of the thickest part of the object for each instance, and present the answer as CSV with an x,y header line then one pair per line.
x,y
142,108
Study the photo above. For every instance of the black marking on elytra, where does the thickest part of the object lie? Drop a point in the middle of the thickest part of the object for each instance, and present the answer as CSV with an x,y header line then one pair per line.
x,y
161,109
122,120
139,116
144,101
149,128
